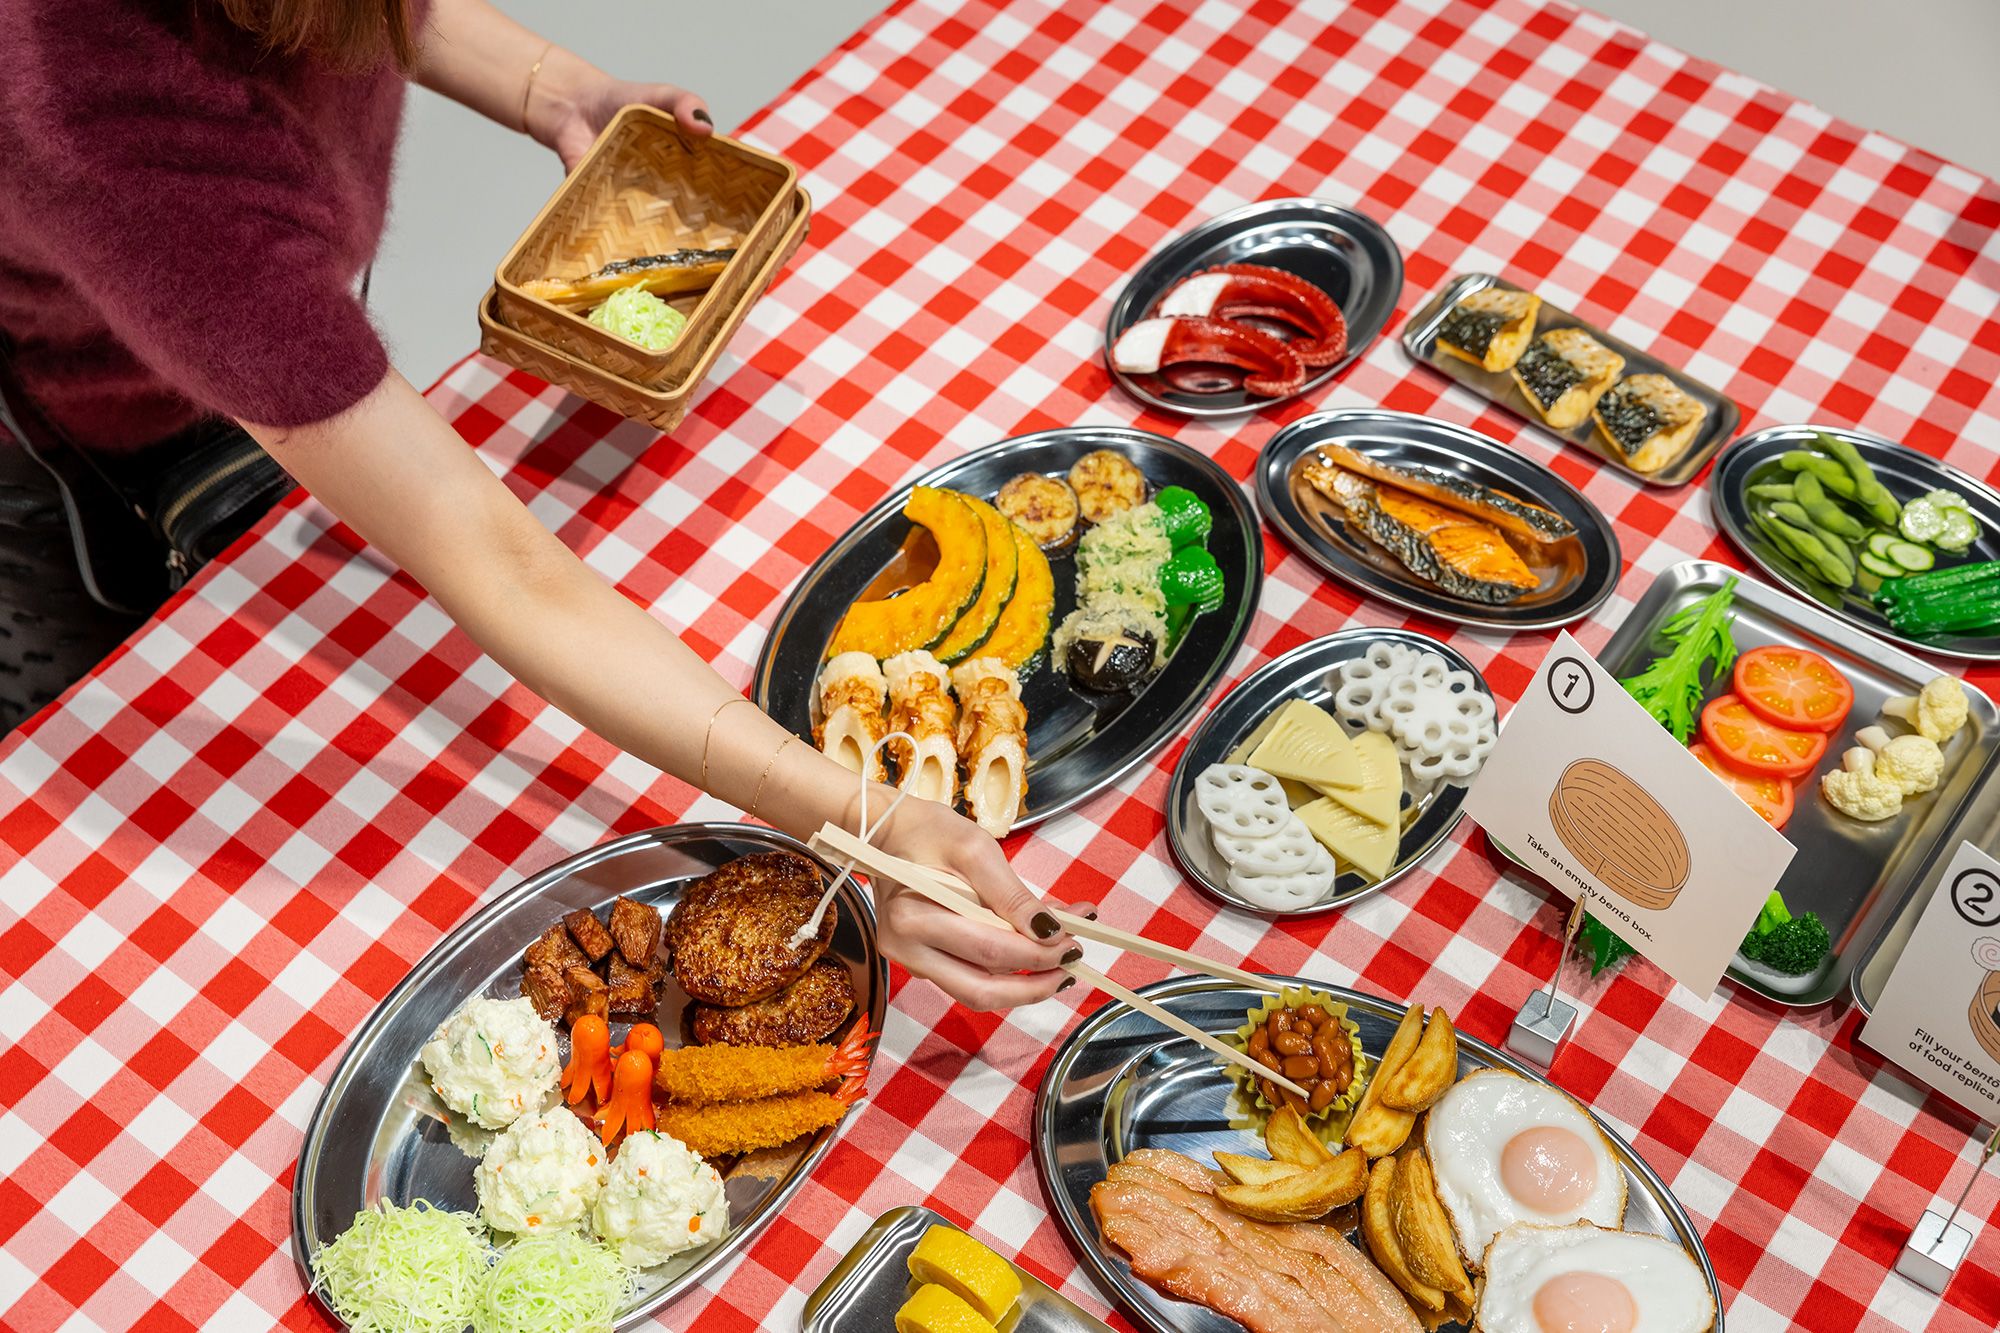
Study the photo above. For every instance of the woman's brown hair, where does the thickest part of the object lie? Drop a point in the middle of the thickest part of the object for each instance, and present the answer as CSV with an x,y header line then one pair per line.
x,y
348,34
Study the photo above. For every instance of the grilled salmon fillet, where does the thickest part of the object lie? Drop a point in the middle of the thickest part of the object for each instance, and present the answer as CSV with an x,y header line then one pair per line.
x,y
1457,553
731,931
802,1013
1507,512
1159,1208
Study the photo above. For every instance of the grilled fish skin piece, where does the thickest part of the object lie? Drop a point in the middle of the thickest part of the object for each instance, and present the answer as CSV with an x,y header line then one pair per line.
x,y
670,274
1564,372
1503,511
1459,555
1648,419
1491,327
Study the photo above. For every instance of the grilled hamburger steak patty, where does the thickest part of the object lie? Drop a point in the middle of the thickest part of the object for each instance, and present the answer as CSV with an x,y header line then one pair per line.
x,y
802,1013
731,931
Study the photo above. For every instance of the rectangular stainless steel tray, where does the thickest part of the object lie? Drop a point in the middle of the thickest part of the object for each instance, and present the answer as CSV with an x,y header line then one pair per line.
x,y
1498,386
1978,824
1856,876
868,1286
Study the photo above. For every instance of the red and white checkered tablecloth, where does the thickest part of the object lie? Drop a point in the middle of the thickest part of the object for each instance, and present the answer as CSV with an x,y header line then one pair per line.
x,y
224,848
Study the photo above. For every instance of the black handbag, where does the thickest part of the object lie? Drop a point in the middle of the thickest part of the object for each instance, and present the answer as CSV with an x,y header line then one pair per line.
x,y
142,527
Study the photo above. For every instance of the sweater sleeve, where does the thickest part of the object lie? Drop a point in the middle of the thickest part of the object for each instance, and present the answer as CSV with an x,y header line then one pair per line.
x,y
185,201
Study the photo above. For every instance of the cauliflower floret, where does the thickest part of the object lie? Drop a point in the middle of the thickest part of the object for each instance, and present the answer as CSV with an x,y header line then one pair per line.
x,y
1856,791
1912,762
1935,713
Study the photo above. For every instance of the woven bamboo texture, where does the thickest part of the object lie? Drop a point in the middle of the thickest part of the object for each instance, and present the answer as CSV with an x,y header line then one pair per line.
x,y
660,408
645,190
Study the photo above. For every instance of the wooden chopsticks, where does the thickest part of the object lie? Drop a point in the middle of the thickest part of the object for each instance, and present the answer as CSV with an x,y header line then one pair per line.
x,y
948,891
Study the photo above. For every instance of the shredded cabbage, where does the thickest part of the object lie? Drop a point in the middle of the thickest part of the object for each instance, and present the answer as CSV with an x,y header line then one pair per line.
x,y
561,1283
636,315
404,1270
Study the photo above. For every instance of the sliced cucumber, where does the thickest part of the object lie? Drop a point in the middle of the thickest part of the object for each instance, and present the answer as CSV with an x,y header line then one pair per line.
x,y
1961,530
1881,566
1948,500
1922,520
1879,544
1912,557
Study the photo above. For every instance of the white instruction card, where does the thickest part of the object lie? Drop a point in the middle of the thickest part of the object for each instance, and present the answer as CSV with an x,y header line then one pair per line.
x,y
1601,801
1939,1013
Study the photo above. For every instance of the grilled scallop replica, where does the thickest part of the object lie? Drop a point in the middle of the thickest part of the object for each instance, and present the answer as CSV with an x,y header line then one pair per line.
x,y
1649,420
1564,372
1491,327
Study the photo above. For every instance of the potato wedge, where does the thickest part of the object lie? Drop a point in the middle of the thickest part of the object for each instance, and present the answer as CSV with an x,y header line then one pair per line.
x,y
1287,1139
1245,1170
1430,1247
1304,1196
1378,1232
1376,1129
1429,1072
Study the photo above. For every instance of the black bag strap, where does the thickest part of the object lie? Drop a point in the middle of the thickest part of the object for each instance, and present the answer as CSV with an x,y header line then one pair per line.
x,y
112,540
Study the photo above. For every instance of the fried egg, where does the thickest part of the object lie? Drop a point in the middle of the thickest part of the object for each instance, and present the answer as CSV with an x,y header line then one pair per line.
x,y
1505,1150
1560,1279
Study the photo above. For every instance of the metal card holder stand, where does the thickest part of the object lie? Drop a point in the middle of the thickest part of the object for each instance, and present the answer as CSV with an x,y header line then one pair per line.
x,y
1545,1019
1936,1247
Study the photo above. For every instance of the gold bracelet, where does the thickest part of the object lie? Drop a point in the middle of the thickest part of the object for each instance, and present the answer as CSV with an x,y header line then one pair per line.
x,y
528,88
772,763
709,735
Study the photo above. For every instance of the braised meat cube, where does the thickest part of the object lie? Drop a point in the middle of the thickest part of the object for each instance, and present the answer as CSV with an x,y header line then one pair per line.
x,y
636,928
589,934
631,992
587,995
547,988
554,949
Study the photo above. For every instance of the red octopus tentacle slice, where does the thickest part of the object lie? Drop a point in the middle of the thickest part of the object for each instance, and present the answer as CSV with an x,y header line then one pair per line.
x,y
1271,368
1239,291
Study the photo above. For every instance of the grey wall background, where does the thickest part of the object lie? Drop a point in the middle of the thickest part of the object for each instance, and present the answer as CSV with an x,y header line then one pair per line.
x,y
1920,70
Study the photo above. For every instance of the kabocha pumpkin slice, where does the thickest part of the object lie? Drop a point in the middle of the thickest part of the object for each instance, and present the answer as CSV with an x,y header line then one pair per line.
x,y
1023,628
921,616
1003,565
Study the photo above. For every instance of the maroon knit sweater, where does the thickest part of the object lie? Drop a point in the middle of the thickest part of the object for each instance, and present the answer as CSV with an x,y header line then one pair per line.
x,y
182,219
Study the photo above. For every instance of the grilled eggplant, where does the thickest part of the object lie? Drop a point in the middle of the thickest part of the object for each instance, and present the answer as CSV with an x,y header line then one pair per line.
x,y
1460,555
1564,372
1649,419
1502,510
672,274
1491,327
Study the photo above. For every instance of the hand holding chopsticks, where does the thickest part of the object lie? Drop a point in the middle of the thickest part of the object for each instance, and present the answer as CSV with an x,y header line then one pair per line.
x,y
950,892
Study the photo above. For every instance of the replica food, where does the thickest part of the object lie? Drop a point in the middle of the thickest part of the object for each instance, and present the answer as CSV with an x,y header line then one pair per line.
x,y
541,1173
670,274
809,1010
1538,1278
1269,367
1491,327
1259,292
492,1061
731,932
1509,513
1563,373
1461,555
659,1199
1649,420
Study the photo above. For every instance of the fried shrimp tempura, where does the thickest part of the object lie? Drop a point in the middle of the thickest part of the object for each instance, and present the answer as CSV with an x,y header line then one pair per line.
x,y
739,1127
702,1076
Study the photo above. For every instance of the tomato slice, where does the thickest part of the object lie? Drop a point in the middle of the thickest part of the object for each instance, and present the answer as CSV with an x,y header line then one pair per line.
x,y
1791,687
1769,797
1747,743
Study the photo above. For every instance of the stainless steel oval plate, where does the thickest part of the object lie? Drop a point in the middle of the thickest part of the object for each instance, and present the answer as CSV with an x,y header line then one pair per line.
x,y
367,1138
1498,386
1345,254
1906,472
1121,1082
1078,743
1577,573
1306,672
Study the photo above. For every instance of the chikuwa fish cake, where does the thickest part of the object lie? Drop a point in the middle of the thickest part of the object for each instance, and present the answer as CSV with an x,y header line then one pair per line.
x,y
1491,327
1564,372
1649,420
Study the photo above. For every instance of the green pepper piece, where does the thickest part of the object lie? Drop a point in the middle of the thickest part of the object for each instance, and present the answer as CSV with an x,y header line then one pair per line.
x,y
1187,519
1191,577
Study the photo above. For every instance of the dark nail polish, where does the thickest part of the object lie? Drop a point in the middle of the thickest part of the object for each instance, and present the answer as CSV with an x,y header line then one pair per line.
x,y
702,116
1067,982
1091,914
1043,925
1073,956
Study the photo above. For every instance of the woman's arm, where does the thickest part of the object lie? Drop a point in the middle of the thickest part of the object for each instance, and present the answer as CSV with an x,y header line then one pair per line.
x,y
397,474
474,54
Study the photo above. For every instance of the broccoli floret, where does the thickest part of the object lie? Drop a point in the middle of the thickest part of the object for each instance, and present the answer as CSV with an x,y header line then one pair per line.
x,y
1794,945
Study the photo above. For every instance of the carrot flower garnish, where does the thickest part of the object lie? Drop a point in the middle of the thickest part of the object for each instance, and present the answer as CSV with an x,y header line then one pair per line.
x,y
631,1106
589,1069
